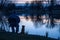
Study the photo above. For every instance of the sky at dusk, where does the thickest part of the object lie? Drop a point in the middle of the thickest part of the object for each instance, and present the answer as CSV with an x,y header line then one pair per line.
x,y
29,1
24,1
21,1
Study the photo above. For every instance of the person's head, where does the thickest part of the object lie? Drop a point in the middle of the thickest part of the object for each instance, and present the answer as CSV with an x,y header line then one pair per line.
x,y
23,26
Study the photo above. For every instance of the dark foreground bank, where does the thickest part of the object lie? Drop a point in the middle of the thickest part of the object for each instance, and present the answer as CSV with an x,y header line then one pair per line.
x,y
15,36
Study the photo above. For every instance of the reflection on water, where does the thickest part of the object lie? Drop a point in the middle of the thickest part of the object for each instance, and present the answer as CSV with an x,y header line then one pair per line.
x,y
40,28
32,26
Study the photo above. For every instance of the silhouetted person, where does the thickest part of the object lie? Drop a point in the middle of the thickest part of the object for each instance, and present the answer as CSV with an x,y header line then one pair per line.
x,y
46,34
23,28
14,22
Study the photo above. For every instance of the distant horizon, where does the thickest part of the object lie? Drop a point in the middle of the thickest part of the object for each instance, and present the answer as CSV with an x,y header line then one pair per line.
x,y
23,4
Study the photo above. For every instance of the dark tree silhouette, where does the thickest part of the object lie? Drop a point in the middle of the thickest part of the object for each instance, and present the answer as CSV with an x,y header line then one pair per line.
x,y
36,5
50,9
26,4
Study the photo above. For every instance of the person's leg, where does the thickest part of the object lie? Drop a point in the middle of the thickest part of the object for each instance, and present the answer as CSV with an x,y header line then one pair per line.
x,y
13,29
17,28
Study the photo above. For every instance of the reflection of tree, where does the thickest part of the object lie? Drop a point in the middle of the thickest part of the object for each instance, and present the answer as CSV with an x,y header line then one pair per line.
x,y
10,7
51,14
26,4
7,6
37,5
32,16
0,16
59,28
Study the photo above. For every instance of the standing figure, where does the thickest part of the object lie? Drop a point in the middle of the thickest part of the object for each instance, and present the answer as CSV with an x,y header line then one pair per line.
x,y
14,22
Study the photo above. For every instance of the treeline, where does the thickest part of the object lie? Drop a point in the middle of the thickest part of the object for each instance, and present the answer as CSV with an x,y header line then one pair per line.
x,y
33,7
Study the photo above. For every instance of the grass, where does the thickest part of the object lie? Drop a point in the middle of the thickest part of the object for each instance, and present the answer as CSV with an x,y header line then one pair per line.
x,y
15,36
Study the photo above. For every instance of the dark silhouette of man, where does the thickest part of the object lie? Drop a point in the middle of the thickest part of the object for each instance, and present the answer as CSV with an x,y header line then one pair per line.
x,y
14,22
23,28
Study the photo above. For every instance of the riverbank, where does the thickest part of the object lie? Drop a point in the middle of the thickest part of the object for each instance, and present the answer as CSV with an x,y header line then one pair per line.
x,y
15,36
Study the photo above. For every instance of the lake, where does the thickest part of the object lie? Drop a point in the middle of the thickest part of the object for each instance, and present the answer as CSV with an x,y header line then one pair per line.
x,y
37,27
